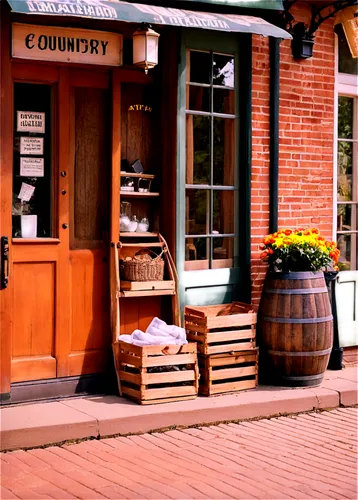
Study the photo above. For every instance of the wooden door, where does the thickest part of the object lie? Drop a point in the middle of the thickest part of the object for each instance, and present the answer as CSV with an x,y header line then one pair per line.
x,y
35,282
59,280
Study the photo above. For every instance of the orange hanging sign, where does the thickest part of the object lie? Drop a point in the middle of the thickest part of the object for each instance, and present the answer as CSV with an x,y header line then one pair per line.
x,y
348,18
351,32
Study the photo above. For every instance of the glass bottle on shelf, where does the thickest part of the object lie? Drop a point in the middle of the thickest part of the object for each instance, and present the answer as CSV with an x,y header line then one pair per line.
x,y
124,219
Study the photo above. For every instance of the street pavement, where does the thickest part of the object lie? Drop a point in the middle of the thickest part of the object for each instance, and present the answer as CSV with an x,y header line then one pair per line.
x,y
311,455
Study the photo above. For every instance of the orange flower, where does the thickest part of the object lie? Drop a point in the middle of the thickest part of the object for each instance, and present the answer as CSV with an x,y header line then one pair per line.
x,y
286,241
270,251
261,246
314,230
320,238
306,232
334,254
264,255
269,239
287,232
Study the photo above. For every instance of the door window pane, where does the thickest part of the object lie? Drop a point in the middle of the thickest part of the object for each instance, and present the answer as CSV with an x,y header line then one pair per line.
x,y
345,117
197,252
223,70
224,151
223,252
32,162
199,98
224,101
345,157
344,217
197,211
344,243
198,149
223,212
200,67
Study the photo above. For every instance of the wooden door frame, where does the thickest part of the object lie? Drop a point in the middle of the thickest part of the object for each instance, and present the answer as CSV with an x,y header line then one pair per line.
x,y
6,151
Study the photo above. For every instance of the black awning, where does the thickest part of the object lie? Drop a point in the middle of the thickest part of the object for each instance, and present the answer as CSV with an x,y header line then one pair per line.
x,y
138,13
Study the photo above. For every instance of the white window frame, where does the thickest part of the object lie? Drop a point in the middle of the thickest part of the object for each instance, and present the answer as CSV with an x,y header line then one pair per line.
x,y
345,85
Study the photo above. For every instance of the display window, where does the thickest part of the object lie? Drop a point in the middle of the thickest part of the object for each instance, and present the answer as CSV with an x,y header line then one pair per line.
x,y
347,154
32,204
211,187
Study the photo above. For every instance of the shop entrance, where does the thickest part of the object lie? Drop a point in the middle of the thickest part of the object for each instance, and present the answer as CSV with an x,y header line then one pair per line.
x,y
59,252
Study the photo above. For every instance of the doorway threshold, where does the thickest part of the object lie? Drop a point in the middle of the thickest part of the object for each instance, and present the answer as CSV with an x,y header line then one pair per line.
x,y
59,388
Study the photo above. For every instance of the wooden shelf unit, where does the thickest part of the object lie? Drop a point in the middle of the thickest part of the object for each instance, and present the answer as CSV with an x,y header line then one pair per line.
x,y
137,176
136,194
128,234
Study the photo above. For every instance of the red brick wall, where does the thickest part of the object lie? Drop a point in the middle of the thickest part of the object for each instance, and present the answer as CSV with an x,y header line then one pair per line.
x,y
306,139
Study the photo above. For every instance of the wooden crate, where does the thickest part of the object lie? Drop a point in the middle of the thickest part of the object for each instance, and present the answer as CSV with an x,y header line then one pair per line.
x,y
224,333
228,372
139,377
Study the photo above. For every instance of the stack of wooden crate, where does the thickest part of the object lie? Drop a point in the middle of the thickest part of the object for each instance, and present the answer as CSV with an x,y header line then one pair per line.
x,y
226,340
156,374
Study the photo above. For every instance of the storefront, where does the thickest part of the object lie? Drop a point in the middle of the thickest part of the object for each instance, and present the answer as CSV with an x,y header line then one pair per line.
x,y
76,111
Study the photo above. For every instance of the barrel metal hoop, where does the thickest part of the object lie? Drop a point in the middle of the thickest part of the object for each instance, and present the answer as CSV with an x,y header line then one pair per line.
x,y
297,321
303,275
305,377
300,354
296,291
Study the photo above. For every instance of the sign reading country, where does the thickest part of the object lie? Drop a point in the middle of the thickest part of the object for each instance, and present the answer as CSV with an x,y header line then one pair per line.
x,y
49,43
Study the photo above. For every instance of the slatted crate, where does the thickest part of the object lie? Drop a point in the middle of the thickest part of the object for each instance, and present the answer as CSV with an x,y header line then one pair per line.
x,y
219,329
228,372
141,372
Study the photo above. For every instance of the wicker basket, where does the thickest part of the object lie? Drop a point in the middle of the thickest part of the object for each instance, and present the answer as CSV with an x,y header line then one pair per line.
x,y
142,267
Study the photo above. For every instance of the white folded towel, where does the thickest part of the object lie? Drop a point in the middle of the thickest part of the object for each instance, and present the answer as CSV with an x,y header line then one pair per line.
x,y
157,333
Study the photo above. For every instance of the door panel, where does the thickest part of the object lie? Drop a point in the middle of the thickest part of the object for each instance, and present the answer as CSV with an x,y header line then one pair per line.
x,y
89,274
33,346
89,222
34,289
91,172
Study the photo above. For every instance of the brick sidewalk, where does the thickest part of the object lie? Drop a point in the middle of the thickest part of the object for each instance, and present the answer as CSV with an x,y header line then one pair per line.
x,y
305,456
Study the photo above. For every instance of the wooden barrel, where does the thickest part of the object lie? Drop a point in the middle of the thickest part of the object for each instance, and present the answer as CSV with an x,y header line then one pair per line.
x,y
295,328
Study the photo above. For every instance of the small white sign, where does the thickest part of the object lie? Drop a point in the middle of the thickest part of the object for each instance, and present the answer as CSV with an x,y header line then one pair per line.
x,y
26,192
31,121
31,167
31,146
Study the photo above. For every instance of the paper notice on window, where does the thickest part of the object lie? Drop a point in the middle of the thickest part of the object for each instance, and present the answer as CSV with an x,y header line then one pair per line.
x,y
30,121
31,167
26,192
31,146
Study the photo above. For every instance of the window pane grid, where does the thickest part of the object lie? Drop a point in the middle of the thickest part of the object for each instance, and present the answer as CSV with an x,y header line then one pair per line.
x,y
221,235
212,186
212,113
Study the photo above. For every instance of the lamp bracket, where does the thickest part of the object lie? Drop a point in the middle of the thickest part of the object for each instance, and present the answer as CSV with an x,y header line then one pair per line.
x,y
300,30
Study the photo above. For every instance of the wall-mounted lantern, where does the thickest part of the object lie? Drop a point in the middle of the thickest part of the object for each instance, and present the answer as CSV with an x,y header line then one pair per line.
x,y
145,47
302,42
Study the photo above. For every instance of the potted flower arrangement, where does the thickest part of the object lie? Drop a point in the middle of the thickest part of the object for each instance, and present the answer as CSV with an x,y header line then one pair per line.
x,y
295,327
299,250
